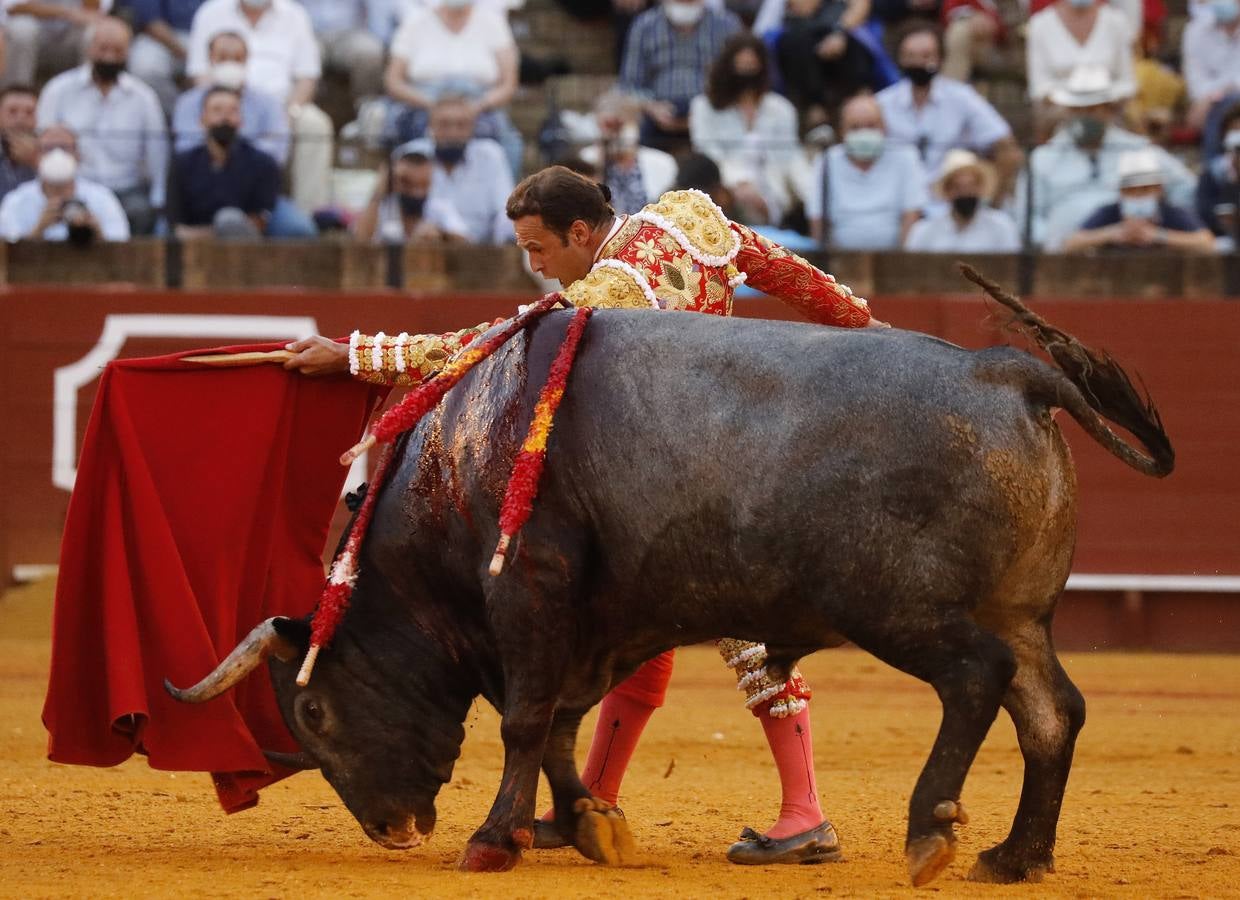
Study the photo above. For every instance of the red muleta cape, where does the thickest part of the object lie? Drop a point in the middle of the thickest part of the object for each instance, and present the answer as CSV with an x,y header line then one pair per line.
x,y
202,505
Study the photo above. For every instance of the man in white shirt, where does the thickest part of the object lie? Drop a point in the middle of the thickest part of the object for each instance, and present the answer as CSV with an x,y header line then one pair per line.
x,y
118,120
348,41
868,191
1210,49
46,34
472,174
60,205
1077,170
284,61
967,223
935,113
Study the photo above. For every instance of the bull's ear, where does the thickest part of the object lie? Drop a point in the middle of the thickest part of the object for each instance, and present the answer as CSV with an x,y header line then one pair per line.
x,y
295,634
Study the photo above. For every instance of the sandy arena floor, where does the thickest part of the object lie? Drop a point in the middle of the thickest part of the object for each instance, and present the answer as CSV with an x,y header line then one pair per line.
x,y
1153,807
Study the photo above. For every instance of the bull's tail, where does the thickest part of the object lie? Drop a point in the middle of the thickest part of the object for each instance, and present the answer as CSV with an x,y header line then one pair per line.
x,y
1093,387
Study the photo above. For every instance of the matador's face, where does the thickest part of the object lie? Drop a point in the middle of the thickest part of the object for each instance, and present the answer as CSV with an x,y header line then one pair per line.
x,y
566,258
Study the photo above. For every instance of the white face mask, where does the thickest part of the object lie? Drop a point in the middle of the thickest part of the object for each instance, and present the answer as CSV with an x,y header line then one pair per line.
x,y
229,75
683,15
57,167
864,144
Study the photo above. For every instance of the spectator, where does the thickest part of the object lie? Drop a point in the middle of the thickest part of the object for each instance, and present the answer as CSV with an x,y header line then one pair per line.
x,y
972,29
1077,171
747,129
1071,34
470,172
822,61
264,121
282,60
60,205
1210,49
118,121
159,49
669,50
968,224
869,192
935,113
17,137
1142,219
46,35
637,175
460,49
350,34
1218,190
404,208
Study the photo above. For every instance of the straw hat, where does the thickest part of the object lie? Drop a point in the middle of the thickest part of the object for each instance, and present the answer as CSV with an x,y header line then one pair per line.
x,y
1139,168
958,160
1088,85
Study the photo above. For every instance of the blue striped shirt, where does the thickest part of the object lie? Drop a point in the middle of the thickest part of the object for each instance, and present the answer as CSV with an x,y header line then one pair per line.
x,y
664,63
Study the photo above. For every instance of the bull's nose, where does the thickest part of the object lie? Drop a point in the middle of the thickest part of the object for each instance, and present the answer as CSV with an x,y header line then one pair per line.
x,y
395,837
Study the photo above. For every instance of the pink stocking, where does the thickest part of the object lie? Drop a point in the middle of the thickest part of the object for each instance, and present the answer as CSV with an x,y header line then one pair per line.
x,y
793,749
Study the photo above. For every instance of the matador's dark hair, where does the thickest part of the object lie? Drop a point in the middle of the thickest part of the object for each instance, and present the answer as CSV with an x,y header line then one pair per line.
x,y
560,197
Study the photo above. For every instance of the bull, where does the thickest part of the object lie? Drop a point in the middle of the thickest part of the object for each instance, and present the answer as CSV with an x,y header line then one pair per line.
x,y
797,485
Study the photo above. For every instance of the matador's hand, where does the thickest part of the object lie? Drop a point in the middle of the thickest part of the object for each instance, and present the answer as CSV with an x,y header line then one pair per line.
x,y
318,356
875,323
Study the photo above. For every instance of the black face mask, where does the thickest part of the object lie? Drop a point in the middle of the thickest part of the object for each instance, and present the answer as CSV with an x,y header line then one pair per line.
x,y
919,75
449,154
749,81
107,72
81,235
411,206
223,134
965,207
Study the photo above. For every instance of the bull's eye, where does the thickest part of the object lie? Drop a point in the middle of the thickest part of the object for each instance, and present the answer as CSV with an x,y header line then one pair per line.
x,y
311,713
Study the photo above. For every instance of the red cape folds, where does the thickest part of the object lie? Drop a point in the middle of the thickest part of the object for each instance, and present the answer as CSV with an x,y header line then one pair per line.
x,y
202,504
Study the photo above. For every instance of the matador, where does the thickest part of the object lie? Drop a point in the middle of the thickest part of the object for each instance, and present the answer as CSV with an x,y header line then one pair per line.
x,y
680,253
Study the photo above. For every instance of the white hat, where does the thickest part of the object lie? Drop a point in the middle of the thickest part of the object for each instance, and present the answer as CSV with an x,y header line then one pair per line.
x,y
1139,168
957,160
1088,85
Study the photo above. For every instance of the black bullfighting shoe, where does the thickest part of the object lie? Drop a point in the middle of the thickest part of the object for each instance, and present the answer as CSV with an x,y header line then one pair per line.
x,y
818,845
548,837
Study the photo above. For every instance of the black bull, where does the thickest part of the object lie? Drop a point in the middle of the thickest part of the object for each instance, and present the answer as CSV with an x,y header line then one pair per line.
x,y
713,477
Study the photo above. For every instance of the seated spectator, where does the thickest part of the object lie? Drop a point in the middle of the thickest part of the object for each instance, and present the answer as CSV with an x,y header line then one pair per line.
x,y
821,60
1210,49
1218,190
1077,171
1070,34
283,60
159,47
351,36
120,125
470,172
461,49
746,128
972,29
935,113
404,208
968,224
227,172
60,205
869,191
1142,219
669,50
1160,93
637,175
17,137
46,36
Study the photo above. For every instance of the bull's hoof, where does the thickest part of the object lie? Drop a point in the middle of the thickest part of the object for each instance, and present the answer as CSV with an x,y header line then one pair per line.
x,y
928,856
998,866
603,834
480,857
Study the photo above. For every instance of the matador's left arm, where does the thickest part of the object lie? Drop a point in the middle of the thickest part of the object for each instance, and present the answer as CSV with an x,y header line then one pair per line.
x,y
405,359
779,272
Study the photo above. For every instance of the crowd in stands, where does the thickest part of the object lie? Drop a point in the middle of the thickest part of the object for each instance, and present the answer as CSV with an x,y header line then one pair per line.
x,y
855,124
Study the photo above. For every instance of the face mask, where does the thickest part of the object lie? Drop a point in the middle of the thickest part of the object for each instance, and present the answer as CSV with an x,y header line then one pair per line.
x,y
223,134
749,81
864,144
683,15
411,206
965,207
57,167
107,72
1225,11
1138,207
449,154
919,75
1087,130
229,75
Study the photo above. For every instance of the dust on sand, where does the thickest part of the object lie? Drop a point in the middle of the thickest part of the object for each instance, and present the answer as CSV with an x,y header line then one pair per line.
x,y
1153,806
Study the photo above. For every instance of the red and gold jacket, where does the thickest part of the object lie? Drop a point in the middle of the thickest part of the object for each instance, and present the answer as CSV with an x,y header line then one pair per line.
x,y
679,253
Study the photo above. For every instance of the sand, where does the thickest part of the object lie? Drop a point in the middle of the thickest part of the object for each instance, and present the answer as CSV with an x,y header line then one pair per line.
x,y
1152,810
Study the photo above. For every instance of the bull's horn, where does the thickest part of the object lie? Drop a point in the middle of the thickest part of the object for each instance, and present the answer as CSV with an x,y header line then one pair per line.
x,y
244,659
299,761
